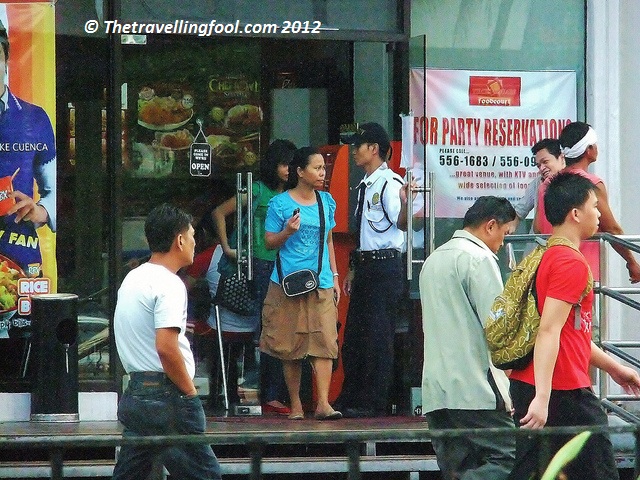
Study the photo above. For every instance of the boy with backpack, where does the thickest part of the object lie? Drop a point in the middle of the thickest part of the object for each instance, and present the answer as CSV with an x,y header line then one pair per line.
x,y
554,389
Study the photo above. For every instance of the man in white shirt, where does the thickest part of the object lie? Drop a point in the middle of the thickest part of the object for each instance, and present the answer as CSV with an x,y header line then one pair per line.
x,y
149,325
460,386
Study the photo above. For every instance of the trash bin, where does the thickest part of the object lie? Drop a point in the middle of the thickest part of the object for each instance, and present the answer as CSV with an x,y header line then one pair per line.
x,y
54,391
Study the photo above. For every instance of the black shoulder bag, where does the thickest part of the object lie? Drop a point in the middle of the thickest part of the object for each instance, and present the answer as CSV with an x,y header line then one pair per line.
x,y
305,280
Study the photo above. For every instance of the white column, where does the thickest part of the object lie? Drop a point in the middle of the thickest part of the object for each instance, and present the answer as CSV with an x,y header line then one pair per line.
x,y
603,113
603,89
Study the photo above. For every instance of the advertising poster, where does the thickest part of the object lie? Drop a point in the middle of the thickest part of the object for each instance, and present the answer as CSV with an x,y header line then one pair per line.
x,y
177,95
27,161
479,128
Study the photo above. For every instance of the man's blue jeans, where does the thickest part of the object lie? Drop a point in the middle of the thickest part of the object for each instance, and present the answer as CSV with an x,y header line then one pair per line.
x,y
152,405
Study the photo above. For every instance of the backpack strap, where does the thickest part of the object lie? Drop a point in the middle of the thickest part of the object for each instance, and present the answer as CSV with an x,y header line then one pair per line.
x,y
577,308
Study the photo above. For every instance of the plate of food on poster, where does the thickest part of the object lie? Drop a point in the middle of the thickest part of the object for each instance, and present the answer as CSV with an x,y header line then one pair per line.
x,y
174,141
234,152
234,135
10,273
164,107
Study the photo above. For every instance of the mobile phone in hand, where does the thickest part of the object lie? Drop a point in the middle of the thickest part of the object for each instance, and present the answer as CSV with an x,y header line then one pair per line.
x,y
295,212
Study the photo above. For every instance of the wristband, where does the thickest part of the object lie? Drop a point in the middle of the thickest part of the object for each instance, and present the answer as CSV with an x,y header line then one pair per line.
x,y
336,274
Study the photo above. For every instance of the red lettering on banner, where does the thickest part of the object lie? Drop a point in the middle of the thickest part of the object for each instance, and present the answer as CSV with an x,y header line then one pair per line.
x,y
425,130
461,131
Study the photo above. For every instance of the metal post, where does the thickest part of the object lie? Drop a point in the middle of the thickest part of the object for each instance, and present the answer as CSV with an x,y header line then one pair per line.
x,y
353,452
409,225
432,212
249,226
255,450
239,191
223,368
56,460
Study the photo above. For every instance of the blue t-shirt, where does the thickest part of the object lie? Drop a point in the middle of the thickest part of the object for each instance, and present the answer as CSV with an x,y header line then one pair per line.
x,y
301,249
26,143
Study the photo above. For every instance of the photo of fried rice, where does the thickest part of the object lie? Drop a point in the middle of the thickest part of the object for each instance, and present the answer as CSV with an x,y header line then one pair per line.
x,y
161,111
9,277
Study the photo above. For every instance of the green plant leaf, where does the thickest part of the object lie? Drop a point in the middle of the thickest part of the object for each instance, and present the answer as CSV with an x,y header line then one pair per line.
x,y
568,452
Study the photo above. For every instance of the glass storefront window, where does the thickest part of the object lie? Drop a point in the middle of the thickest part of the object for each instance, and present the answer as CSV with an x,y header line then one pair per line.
x,y
171,83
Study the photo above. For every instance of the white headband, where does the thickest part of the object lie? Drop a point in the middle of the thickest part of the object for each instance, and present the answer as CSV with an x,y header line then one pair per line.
x,y
580,147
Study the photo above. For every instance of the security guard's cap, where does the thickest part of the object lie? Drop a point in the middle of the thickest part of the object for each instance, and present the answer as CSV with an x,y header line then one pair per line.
x,y
370,133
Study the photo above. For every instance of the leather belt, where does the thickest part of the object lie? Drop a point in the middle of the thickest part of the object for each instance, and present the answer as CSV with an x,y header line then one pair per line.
x,y
360,256
150,379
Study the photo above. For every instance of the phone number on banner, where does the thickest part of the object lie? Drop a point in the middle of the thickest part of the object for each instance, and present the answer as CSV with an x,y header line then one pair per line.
x,y
486,161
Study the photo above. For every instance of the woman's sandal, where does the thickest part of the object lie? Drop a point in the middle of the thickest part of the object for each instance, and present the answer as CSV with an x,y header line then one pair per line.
x,y
333,415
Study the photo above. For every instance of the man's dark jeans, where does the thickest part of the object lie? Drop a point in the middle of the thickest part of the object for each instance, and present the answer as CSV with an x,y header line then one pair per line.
x,y
154,406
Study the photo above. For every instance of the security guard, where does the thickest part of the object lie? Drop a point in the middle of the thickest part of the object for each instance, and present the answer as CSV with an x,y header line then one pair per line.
x,y
375,280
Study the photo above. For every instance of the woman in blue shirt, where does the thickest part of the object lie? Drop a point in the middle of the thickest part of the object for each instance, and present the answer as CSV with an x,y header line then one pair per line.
x,y
274,168
294,328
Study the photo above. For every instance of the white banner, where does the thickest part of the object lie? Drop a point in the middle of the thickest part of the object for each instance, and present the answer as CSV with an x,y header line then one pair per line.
x,y
479,129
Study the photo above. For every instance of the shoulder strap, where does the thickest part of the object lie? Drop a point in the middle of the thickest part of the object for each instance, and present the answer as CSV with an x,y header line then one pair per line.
x,y
554,241
384,211
384,187
320,245
322,227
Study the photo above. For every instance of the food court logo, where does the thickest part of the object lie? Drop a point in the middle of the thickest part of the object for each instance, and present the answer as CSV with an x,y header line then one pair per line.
x,y
494,91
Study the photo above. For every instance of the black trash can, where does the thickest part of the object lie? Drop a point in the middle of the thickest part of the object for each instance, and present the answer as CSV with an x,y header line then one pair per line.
x,y
54,391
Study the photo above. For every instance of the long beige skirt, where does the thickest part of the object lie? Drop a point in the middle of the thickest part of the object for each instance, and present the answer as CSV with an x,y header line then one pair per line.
x,y
296,327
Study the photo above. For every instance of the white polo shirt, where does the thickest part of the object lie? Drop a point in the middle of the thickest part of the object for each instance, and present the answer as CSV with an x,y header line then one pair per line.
x,y
379,226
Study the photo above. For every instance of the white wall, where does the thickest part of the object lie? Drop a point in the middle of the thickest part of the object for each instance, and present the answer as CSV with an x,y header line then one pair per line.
x,y
630,112
628,189
613,82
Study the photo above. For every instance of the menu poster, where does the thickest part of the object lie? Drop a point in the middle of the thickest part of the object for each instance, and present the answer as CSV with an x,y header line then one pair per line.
x,y
235,117
27,162
164,138
215,87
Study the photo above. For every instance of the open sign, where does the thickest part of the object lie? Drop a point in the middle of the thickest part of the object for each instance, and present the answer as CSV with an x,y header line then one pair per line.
x,y
200,160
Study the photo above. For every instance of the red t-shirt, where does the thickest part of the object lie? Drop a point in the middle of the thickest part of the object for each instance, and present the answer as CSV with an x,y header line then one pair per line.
x,y
589,248
563,274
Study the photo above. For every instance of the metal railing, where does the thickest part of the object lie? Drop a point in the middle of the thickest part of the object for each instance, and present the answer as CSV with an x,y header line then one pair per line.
x,y
621,294
256,442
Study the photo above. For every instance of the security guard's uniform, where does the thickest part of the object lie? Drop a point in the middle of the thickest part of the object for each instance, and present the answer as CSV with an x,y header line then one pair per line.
x,y
376,292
